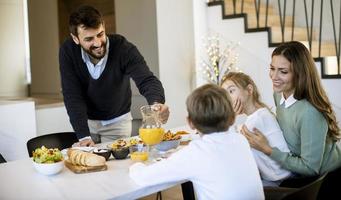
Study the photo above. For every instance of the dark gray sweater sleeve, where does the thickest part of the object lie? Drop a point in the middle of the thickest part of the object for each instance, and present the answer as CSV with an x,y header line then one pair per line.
x,y
136,67
73,97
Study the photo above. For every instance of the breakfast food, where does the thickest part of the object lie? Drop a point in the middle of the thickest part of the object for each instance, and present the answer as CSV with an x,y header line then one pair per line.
x,y
78,157
181,133
135,141
170,136
119,144
45,155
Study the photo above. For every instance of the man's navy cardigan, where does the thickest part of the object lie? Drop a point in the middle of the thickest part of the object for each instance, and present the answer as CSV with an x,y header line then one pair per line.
x,y
110,95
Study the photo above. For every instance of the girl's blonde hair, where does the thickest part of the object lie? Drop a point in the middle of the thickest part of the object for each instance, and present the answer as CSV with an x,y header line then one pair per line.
x,y
242,81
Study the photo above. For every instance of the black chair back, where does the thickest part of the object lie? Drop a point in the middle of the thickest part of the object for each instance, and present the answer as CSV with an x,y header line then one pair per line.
x,y
330,188
308,192
297,182
61,141
2,159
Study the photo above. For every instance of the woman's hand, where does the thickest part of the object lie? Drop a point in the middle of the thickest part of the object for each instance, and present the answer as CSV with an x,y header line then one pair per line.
x,y
237,107
257,140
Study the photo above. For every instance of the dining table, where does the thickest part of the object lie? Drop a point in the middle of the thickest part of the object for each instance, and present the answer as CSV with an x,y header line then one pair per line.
x,y
19,180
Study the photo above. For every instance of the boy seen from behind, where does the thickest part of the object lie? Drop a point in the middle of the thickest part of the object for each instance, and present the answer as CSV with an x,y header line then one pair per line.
x,y
219,164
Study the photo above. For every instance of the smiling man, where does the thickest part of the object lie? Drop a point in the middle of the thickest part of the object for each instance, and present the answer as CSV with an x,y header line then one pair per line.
x,y
95,72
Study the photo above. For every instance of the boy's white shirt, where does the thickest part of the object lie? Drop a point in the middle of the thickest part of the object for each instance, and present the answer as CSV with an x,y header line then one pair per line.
x,y
220,166
266,122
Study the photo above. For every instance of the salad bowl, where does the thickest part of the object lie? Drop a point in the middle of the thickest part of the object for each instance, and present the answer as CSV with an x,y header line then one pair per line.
x,y
49,168
48,161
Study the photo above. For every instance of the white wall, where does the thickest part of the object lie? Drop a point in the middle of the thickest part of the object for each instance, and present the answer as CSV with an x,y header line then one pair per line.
x,y
52,120
163,32
12,52
136,20
17,126
200,31
255,57
176,54
254,54
44,47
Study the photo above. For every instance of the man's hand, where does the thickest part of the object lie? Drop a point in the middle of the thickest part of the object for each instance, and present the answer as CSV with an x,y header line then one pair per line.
x,y
163,111
84,143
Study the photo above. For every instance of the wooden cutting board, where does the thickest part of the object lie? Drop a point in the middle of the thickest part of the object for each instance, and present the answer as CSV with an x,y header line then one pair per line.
x,y
78,169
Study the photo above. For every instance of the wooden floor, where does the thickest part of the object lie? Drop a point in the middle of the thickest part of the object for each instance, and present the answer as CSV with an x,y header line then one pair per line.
x,y
173,193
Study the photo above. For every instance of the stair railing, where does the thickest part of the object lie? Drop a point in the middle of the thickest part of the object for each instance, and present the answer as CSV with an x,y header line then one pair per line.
x,y
282,6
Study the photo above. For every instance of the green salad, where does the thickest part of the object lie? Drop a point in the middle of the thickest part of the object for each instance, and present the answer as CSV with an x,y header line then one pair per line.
x,y
45,155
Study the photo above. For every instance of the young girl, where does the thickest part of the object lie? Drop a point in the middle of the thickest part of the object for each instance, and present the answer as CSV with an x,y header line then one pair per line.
x,y
246,98
304,114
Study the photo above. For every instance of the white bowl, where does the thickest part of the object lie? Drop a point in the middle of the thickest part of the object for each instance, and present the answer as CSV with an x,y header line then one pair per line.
x,y
167,145
49,168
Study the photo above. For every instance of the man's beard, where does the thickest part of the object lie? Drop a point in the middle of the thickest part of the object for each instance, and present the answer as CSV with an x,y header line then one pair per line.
x,y
96,56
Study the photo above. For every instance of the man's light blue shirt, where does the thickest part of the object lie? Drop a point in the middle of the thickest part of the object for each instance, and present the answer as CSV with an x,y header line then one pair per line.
x,y
95,72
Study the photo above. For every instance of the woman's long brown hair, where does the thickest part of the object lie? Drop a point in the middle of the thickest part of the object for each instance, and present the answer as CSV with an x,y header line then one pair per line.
x,y
307,82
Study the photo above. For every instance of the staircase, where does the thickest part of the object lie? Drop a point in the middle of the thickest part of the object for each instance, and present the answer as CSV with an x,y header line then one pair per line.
x,y
263,15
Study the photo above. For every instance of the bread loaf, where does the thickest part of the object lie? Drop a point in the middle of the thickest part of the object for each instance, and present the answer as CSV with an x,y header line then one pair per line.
x,y
78,157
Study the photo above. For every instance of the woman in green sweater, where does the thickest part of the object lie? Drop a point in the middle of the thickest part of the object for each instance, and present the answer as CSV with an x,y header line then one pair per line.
x,y
304,113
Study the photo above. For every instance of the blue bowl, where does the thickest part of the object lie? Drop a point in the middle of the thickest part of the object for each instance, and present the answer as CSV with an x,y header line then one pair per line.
x,y
167,145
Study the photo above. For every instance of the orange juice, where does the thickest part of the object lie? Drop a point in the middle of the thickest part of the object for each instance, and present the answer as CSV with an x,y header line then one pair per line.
x,y
139,156
151,136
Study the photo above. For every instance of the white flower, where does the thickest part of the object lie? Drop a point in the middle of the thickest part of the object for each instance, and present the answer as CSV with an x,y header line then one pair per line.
x,y
221,58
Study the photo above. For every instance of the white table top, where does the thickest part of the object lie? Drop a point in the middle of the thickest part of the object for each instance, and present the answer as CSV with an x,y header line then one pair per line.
x,y
19,180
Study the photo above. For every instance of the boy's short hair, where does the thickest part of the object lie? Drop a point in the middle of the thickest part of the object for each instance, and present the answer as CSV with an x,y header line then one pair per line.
x,y
210,109
86,16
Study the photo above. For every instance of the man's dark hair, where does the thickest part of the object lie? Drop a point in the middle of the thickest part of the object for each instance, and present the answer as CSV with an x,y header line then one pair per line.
x,y
86,16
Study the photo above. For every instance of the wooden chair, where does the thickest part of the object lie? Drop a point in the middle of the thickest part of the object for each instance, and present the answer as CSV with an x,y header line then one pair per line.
x,y
307,192
61,141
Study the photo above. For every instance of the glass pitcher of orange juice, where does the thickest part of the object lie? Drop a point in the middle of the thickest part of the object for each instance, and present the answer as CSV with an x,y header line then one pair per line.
x,y
151,131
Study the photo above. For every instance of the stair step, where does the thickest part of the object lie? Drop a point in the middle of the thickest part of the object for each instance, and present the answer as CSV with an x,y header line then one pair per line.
x,y
273,20
300,34
327,48
249,7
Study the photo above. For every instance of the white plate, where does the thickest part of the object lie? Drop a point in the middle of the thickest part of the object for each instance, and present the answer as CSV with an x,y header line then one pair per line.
x,y
86,149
